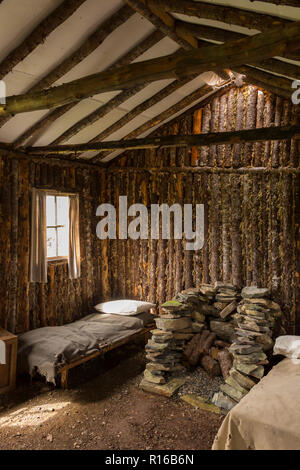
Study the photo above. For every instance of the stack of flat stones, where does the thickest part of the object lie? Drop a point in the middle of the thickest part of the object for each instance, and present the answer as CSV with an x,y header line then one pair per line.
x,y
164,349
197,302
255,318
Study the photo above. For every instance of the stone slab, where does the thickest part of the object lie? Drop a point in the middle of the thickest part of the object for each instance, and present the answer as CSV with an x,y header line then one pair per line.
x,y
200,403
167,390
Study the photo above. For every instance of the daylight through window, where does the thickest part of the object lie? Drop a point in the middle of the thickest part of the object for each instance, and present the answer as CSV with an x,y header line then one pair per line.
x,y
57,226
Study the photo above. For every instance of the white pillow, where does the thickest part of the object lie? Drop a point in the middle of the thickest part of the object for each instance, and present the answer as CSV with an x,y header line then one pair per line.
x,y
124,307
288,346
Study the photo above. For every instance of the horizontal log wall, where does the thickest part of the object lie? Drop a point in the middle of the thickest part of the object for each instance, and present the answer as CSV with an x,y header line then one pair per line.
x,y
251,220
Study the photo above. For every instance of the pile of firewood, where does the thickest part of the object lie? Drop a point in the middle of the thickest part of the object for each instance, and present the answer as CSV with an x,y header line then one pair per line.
x,y
211,353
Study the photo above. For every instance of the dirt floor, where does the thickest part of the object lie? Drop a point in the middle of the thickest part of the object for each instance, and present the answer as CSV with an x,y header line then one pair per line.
x,y
104,409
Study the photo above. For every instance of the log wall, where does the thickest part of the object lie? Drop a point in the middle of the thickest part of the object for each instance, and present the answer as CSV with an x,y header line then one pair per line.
x,y
251,221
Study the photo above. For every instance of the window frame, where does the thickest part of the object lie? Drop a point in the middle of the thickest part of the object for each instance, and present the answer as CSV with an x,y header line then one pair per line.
x,y
56,194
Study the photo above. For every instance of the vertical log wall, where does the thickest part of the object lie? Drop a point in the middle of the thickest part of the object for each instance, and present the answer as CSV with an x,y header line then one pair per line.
x,y
251,220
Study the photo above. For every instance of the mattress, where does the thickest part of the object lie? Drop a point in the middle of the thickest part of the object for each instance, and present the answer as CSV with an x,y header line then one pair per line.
x,y
45,349
268,418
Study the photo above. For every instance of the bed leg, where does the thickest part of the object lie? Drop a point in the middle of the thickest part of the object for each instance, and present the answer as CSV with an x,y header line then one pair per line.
x,y
64,379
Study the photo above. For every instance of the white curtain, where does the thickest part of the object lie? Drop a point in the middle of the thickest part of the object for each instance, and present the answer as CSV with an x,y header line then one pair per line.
x,y
74,241
38,253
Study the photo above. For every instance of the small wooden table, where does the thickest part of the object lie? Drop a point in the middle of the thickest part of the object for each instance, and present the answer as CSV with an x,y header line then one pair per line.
x,y
8,370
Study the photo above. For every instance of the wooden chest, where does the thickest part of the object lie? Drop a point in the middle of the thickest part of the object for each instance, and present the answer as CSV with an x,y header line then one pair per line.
x,y
8,370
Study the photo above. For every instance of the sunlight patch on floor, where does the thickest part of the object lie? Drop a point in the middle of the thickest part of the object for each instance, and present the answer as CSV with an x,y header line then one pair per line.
x,y
32,415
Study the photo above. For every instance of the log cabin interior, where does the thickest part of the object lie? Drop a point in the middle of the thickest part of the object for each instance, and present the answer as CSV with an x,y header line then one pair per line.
x,y
149,340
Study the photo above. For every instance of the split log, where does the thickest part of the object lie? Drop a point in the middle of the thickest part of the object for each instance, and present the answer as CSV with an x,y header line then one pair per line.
x,y
213,352
193,349
225,361
261,46
211,366
228,310
221,344
207,343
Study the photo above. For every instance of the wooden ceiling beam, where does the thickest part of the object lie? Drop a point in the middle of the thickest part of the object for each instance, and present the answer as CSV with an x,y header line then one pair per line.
x,y
39,34
223,35
288,3
225,14
198,140
259,47
165,23
34,131
164,116
165,92
88,46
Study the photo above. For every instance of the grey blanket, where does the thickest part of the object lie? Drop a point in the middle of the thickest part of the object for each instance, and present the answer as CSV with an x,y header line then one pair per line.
x,y
44,349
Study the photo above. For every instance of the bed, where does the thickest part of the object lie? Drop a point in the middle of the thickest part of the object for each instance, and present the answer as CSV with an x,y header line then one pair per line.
x,y
268,418
52,351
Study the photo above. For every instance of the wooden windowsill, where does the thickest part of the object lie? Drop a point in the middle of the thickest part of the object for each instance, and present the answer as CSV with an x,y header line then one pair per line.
x,y
58,260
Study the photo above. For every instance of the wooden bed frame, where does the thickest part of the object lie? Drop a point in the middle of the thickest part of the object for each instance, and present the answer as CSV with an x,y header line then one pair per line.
x,y
64,370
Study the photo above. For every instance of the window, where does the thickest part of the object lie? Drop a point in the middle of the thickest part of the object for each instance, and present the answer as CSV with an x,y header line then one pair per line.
x,y
57,216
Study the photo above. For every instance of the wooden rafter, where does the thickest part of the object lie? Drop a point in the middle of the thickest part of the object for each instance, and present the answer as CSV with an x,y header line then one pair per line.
x,y
214,138
100,112
223,35
165,23
88,46
39,34
224,14
157,98
273,83
168,113
182,29
258,47
290,3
